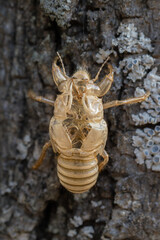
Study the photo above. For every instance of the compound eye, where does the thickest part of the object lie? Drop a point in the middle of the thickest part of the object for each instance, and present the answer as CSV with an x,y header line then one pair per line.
x,y
85,79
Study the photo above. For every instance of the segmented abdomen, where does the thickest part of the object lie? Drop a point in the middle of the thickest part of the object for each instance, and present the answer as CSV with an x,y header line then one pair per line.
x,y
77,174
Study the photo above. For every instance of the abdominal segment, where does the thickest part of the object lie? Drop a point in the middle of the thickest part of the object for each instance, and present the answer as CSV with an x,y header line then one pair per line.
x,y
77,174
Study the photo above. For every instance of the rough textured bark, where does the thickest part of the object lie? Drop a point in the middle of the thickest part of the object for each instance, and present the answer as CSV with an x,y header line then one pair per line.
x,y
125,202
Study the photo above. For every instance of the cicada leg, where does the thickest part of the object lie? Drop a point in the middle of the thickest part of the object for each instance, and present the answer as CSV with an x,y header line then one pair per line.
x,y
105,160
127,101
43,153
33,96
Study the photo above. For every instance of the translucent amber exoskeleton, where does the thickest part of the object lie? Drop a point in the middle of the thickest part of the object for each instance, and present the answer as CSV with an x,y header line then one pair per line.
x,y
78,132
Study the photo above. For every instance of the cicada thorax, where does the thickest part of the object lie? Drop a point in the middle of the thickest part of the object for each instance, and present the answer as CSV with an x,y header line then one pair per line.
x,y
77,118
77,131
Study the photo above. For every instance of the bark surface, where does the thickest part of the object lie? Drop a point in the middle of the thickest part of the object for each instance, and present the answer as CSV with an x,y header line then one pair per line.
x,y
125,202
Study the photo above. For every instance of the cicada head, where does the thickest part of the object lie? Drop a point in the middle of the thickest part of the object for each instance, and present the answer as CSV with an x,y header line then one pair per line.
x,y
81,75
82,84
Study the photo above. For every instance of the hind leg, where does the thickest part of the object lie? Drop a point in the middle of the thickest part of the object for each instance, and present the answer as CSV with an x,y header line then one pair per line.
x,y
43,153
105,160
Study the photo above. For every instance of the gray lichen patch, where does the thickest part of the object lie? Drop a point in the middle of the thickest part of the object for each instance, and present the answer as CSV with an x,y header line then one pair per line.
x,y
22,147
60,10
76,221
135,68
86,233
151,107
130,40
147,147
102,55
72,233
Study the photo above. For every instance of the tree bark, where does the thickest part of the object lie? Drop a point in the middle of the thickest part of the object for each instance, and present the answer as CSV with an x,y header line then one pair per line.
x,y
125,202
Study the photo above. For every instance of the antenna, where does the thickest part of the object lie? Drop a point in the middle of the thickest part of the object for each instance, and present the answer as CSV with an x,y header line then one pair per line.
x,y
95,79
61,63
